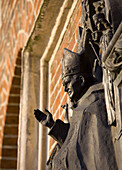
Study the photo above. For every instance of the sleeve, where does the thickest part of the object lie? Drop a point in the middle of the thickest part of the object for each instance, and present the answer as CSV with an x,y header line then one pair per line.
x,y
59,131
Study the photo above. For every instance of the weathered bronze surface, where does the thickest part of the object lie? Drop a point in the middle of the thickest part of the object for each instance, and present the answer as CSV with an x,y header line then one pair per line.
x,y
92,77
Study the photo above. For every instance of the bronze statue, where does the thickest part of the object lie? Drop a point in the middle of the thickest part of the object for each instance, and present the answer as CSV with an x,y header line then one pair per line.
x,y
85,142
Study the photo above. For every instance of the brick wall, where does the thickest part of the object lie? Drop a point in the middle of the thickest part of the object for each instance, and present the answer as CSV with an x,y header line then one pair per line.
x,y
56,90
17,18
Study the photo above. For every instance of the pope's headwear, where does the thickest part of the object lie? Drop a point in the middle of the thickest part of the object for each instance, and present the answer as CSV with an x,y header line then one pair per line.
x,y
75,63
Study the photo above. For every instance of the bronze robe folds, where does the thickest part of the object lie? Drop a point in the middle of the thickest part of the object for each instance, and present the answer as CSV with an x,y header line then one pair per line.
x,y
87,139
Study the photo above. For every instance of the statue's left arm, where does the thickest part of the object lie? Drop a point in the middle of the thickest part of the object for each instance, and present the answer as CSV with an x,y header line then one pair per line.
x,y
58,129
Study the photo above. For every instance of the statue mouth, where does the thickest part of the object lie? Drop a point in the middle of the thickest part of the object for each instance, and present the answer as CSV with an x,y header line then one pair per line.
x,y
70,93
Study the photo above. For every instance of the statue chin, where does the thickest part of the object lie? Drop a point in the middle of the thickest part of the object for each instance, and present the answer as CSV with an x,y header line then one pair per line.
x,y
71,97
74,98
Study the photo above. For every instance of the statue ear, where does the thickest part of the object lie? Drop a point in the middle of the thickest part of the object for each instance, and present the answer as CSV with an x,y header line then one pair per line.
x,y
82,80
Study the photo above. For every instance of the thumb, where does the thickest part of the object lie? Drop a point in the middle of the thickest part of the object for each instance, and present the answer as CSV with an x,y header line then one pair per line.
x,y
47,112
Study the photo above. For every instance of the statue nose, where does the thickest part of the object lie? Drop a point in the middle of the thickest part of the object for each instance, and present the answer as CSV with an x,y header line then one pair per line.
x,y
65,88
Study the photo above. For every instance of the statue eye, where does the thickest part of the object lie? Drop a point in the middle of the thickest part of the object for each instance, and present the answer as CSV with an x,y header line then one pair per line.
x,y
66,82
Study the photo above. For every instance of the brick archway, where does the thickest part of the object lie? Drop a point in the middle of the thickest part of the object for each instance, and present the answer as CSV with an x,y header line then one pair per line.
x,y
10,136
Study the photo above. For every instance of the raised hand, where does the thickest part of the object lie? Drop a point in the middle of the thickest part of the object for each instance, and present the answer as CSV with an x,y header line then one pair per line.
x,y
46,118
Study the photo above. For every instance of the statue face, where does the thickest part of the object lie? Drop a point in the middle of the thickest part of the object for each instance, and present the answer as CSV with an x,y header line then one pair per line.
x,y
73,86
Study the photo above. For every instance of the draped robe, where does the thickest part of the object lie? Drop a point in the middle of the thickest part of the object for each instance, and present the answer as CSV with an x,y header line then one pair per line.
x,y
86,142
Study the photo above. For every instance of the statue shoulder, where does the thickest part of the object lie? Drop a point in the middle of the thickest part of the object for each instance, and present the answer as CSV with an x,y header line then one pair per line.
x,y
95,99
93,93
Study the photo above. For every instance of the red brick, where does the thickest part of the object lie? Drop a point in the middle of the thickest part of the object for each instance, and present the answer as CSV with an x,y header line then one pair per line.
x,y
2,110
11,164
14,27
16,54
1,88
51,86
2,4
10,141
38,6
61,109
0,154
76,32
1,45
21,3
62,117
16,81
72,43
7,75
57,85
14,109
75,48
9,153
57,103
23,20
15,6
62,92
15,90
5,85
24,40
12,119
32,21
76,21
57,75
3,98
1,121
57,115
51,142
27,25
52,98
35,4
53,68
4,117
17,71
64,100
30,8
1,137
10,130
14,99
8,63
19,42
77,12
18,61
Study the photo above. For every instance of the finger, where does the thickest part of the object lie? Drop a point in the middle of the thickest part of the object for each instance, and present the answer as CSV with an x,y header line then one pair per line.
x,y
38,115
47,112
36,110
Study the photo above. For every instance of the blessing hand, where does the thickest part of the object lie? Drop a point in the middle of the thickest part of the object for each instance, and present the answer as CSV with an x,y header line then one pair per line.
x,y
46,118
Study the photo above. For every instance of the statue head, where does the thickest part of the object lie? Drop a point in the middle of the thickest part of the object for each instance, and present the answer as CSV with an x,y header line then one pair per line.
x,y
76,69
